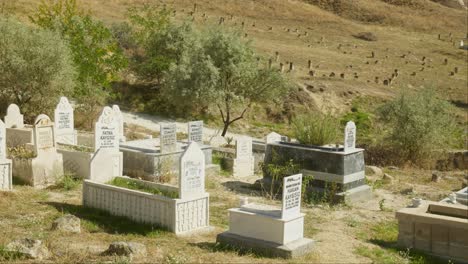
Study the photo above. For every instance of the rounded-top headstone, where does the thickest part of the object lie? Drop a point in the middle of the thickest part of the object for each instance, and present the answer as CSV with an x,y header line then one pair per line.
x,y
106,130
14,118
42,120
350,136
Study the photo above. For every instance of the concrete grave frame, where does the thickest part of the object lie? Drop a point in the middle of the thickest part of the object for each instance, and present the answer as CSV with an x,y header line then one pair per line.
x,y
5,164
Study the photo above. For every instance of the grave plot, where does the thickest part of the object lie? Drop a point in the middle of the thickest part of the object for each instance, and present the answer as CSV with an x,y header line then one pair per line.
x,y
179,209
102,163
268,230
437,228
5,164
153,158
337,169
40,165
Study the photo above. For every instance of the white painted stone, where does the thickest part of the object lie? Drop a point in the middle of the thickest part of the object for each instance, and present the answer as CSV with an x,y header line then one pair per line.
x,y
292,188
195,131
44,134
105,166
3,153
244,163
106,135
5,164
273,137
244,147
13,117
350,137
64,123
120,123
168,137
192,173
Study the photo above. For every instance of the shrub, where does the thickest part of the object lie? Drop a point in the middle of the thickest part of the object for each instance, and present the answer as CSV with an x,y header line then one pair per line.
x,y
35,67
315,129
419,125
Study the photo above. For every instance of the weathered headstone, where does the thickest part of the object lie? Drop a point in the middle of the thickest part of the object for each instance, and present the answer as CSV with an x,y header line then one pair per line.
x,y
192,172
5,164
13,117
195,131
64,123
350,136
44,134
292,189
273,137
120,123
168,137
244,161
106,135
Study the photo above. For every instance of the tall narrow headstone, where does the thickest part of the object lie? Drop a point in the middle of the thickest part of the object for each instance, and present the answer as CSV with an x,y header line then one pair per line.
x,y
14,118
168,137
5,164
195,131
44,134
292,189
273,137
244,161
350,137
106,134
120,123
64,123
192,172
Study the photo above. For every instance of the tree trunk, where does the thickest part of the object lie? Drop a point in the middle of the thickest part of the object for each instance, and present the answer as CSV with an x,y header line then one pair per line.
x,y
226,125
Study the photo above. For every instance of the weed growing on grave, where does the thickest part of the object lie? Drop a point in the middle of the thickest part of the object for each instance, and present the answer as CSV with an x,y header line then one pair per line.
x,y
219,158
67,182
20,152
315,129
140,186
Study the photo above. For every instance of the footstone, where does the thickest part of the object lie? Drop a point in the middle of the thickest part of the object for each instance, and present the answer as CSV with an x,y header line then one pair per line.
x,y
292,249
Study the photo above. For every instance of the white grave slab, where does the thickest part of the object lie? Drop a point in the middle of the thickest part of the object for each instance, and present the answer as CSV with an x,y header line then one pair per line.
x,y
192,173
120,123
273,137
195,131
5,164
64,123
106,132
13,117
244,162
350,137
168,137
292,188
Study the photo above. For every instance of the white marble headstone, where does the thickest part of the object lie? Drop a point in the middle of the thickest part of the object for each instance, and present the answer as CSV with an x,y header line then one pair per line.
x,y
195,131
106,135
64,122
44,134
168,137
2,141
350,137
292,189
13,117
244,147
120,122
273,137
192,172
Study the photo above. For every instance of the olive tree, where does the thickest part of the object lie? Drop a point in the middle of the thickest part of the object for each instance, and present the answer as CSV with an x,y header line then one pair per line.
x,y
35,67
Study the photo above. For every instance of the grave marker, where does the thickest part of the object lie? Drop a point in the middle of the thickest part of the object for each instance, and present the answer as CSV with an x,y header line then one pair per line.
x,y
244,161
273,137
195,131
168,138
106,131
120,123
5,164
243,147
350,136
14,118
64,122
292,189
192,172
2,140
44,134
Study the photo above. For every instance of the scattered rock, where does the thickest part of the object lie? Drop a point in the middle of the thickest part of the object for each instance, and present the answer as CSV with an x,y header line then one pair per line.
x,y
387,178
367,36
67,223
393,168
30,248
407,190
374,171
128,249
436,176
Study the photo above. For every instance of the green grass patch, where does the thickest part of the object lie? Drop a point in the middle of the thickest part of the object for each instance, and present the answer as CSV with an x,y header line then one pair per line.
x,y
6,255
140,186
67,182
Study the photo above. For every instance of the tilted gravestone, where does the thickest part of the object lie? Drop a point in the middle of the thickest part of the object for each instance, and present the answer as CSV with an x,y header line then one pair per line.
x,y
106,132
168,137
192,172
64,123
120,123
13,117
244,161
195,131
5,164
292,188
350,137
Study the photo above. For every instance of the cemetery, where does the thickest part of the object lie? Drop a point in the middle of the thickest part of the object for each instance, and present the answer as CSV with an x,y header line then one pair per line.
x,y
306,131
